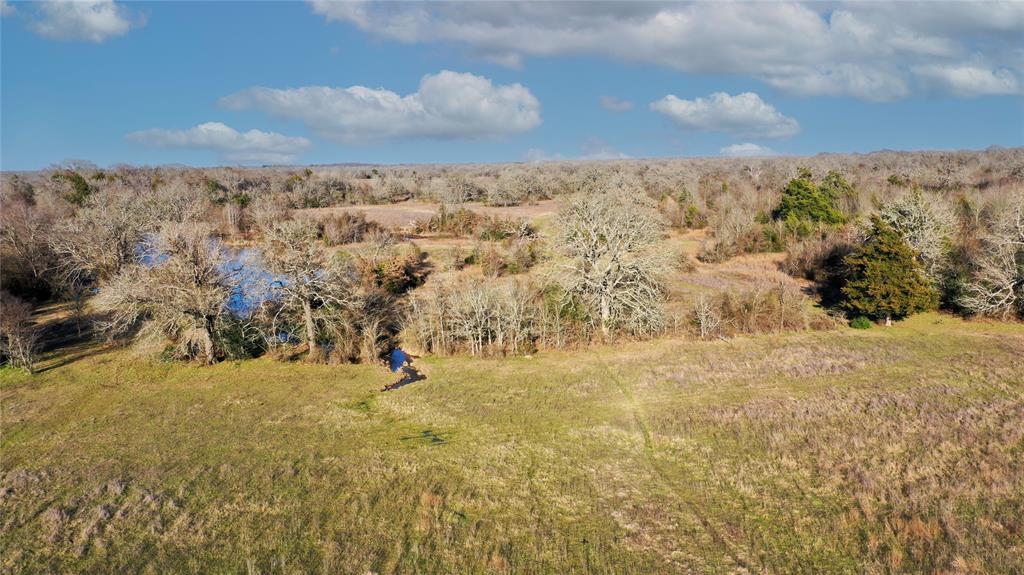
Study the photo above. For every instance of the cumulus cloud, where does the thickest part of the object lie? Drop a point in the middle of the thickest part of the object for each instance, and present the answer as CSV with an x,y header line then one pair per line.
x,y
615,105
746,150
85,20
254,146
446,105
863,49
967,81
744,114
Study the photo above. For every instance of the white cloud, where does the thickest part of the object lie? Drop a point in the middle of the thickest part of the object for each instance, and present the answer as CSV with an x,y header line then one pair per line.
x,y
863,49
746,150
598,149
87,20
6,8
537,155
446,105
744,113
615,105
592,149
254,146
967,81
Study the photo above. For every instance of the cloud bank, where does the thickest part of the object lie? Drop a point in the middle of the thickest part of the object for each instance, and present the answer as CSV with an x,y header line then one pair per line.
x,y
446,105
746,150
870,50
254,146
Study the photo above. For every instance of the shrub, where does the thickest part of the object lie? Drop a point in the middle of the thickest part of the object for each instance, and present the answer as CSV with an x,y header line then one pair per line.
x,y
80,189
461,222
860,322
763,309
345,228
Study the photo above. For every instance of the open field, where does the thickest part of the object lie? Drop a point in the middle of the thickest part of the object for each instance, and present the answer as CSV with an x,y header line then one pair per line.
x,y
887,450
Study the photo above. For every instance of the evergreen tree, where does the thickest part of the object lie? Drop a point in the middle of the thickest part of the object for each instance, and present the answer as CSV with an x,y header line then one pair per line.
x,y
804,201
884,278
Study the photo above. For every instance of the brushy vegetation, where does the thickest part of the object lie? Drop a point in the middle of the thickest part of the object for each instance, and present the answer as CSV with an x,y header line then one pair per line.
x,y
599,267
895,450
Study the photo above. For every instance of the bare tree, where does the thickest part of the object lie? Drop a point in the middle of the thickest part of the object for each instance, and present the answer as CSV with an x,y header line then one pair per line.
x,y
479,317
181,293
706,316
24,240
925,224
101,238
19,337
177,201
306,279
607,237
998,285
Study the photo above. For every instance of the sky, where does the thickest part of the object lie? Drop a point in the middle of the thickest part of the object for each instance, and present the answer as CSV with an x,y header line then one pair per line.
x,y
253,83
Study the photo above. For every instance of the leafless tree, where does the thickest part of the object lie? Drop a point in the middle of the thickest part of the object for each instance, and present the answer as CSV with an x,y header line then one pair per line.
x,y
181,293
706,316
997,288
307,280
478,317
19,337
24,241
513,188
607,238
177,201
925,224
102,237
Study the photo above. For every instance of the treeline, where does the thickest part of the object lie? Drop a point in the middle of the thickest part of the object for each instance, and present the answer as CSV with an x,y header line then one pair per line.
x,y
138,253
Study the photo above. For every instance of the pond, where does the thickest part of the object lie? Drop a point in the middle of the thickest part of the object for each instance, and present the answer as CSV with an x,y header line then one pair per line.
x,y
255,283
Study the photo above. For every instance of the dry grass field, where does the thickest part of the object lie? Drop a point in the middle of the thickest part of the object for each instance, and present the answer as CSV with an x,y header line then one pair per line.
x,y
887,450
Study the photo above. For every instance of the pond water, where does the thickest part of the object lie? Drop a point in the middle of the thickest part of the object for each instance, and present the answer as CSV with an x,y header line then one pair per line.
x,y
254,282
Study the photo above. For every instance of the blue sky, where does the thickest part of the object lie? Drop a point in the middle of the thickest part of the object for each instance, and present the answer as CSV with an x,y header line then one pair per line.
x,y
186,82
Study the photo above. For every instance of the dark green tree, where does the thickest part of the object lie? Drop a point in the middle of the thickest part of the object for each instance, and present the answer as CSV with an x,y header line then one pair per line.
x,y
80,188
884,280
835,186
804,201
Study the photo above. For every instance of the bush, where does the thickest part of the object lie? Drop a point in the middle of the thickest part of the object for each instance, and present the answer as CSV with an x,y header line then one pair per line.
x,y
763,309
860,322
461,222
345,228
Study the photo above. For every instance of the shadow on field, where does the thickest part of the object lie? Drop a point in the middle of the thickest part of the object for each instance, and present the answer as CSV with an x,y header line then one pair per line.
x,y
410,375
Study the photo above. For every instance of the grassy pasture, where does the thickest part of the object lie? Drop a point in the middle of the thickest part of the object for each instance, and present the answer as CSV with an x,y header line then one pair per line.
x,y
887,450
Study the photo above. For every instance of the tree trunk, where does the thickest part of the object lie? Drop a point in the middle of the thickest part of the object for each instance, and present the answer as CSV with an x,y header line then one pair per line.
x,y
207,345
606,315
307,313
